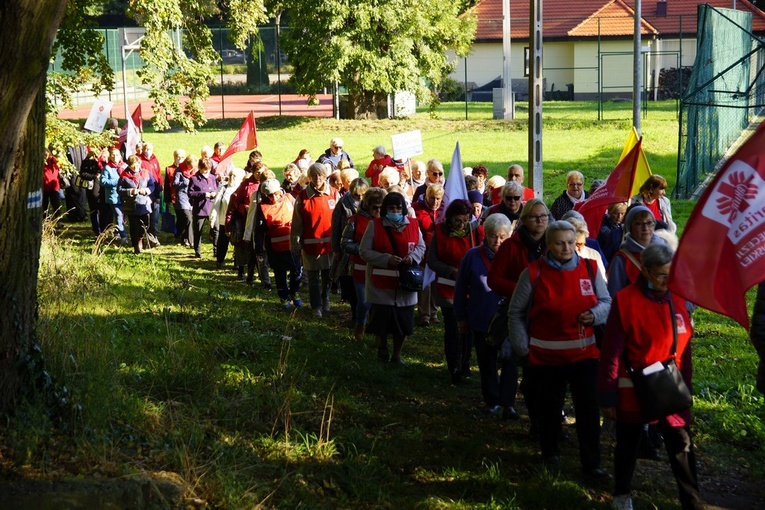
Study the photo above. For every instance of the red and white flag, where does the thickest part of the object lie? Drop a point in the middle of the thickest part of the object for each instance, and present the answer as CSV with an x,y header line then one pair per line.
x,y
722,251
618,188
245,139
136,121
137,117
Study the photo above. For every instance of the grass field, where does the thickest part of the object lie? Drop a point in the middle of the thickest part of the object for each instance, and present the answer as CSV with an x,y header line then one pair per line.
x,y
178,367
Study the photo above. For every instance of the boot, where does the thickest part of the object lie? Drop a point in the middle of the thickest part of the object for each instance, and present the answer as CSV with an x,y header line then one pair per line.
x,y
358,332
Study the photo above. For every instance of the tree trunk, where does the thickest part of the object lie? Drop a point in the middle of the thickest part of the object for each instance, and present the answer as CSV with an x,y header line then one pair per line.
x,y
27,29
367,105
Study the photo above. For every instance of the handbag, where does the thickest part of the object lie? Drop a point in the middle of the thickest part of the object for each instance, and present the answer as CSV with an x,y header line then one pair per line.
x,y
498,329
63,181
410,276
662,391
81,182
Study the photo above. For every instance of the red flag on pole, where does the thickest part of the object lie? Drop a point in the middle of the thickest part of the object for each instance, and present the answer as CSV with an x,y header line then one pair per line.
x,y
618,188
722,251
137,117
245,139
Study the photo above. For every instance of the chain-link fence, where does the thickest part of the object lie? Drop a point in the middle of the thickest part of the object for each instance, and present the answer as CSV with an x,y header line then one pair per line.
x,y
725,96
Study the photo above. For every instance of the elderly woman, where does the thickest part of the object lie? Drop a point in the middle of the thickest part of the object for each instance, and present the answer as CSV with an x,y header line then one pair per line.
x,y
510,206
493,193
428,209
311,235
272,234
109,179
573,194
625,266
558,300
389,176
481,173
380,160
135,188
645,323
651,195
388,242
346,208
434,174
202,190
452,239
351,244
474,306
229,184
181,180
584,251
612,220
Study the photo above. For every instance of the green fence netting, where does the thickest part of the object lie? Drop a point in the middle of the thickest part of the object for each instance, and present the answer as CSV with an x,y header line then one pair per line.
x,y
724,97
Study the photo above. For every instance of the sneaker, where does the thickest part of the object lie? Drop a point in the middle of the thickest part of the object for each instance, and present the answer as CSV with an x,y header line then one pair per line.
x,y
623,502
297,302
509,413
495,410
197,255
597,473
286,304
317,313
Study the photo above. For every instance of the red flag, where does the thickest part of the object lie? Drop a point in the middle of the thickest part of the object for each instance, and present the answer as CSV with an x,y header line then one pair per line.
x,y
722,251
618,188
245,139
137,117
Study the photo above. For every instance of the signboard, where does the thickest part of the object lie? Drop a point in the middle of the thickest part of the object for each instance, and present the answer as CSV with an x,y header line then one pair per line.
x,y
405,103
406,145
98,115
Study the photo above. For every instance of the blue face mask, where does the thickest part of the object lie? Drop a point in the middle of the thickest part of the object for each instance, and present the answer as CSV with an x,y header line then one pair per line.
x,y
395,217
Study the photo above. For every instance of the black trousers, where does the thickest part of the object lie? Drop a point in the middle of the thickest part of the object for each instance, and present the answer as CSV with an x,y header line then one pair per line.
x,y
139,224
682,460
550,383
197,226
496,388
457,346
183,225
222,243
282,263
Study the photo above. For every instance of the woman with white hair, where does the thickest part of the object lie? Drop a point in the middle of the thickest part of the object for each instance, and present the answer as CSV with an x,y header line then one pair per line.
x,y
511,204
495,182
335,154
557,302
474,306
311,235
572,195
228,186
380,160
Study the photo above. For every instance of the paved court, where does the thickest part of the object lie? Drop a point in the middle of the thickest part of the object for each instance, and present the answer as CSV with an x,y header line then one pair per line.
x,y
229,107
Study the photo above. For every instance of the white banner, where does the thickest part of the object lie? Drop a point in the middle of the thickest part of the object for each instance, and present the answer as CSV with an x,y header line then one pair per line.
x,y
406,145
98,115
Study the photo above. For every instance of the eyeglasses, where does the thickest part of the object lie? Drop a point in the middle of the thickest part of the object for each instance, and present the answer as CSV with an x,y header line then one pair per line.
x,y
508,197
539,219
646,224
338,147
575,184
661,276
375,207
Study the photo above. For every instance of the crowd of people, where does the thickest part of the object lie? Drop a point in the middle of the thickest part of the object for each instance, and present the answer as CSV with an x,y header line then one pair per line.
x,y
524,286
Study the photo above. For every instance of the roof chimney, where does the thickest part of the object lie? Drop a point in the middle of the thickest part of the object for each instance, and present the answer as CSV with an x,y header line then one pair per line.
x,y
661,8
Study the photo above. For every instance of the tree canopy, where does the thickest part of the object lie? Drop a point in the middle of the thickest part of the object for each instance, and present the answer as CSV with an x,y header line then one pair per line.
x,y
374,46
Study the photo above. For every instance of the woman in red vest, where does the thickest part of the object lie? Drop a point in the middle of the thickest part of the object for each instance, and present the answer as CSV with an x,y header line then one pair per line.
x,y
272,233
644,323
428,209
311,229
388,242
556,303
453,238
351,242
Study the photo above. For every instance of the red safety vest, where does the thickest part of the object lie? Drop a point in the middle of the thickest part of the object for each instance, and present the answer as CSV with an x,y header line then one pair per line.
x,y
648,336
630,268
406,240
451,250
316,213
555,335
278,218
359,264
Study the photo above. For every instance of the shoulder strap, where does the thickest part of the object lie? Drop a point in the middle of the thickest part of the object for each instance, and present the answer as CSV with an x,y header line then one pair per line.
x,y
674,324
632,258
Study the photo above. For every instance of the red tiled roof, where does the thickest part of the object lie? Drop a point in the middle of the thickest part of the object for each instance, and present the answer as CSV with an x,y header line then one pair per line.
x,y
578,18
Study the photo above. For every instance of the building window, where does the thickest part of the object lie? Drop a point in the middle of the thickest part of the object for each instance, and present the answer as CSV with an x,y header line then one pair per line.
x,y
526,61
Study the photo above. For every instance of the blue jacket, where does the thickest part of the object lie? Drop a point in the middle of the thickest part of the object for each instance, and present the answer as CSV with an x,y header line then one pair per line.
x,y
110,177
181,185
474,301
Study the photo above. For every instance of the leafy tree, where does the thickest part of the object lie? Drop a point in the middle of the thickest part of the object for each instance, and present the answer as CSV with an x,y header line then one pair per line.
x,y
374,47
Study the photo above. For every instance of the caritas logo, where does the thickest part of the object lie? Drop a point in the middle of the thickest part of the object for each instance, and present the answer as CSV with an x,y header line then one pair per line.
x,y
738,201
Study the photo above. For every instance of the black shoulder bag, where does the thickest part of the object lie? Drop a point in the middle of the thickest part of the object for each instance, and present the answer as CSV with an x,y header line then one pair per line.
x,y
662,392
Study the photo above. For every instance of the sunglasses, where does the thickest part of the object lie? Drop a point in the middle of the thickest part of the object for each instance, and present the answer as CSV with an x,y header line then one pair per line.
x,y
438,174
509,197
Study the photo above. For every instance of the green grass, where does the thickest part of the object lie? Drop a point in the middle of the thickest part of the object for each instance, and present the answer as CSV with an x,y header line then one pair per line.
x,y
178,367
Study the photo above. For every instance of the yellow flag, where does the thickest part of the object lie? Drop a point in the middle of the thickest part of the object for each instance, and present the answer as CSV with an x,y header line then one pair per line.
x,y
642,170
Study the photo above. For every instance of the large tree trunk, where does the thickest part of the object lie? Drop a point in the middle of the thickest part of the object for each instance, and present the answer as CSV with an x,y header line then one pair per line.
x,y
367,105
27,29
